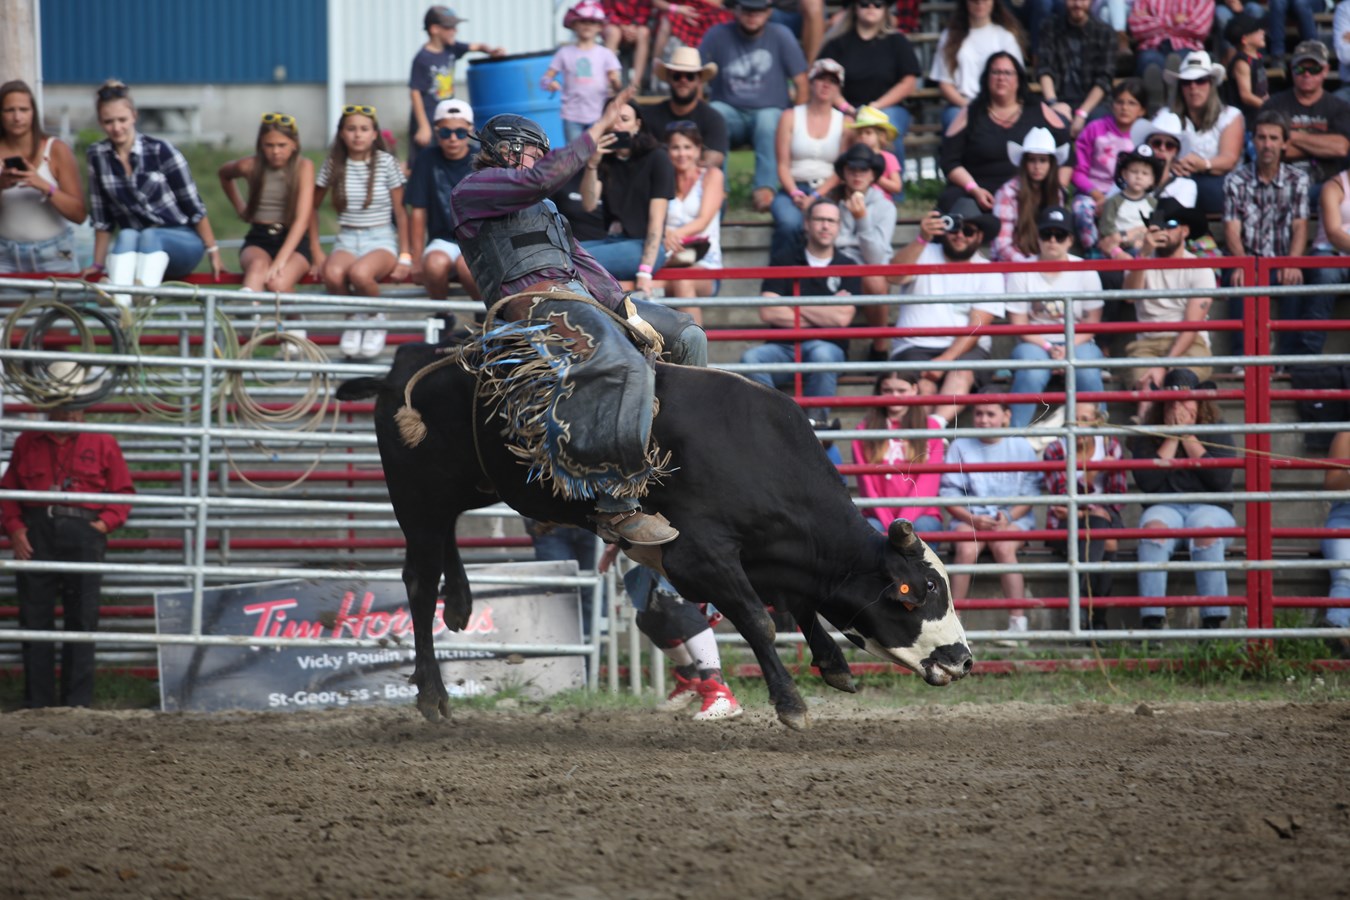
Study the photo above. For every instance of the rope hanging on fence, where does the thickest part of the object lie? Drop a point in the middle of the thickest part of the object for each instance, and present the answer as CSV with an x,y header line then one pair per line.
x,y
169,392
47,384
303,415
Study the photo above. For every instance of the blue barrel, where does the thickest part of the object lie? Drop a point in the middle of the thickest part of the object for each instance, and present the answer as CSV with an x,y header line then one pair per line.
x,y
510,84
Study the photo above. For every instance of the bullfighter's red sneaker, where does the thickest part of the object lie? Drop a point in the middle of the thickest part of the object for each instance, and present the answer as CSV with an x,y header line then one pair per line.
x,y
718,702
685,692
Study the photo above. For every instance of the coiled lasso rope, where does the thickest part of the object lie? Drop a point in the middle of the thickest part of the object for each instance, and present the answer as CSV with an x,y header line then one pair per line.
x,y
51,383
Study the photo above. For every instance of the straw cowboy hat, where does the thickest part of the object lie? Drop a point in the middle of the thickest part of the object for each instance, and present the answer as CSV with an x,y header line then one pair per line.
x,y
1165,122
1196,65
685,59
871,117
1038,140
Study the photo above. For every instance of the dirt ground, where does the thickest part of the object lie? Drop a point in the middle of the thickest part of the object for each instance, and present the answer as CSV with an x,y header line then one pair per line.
x,y
1008,800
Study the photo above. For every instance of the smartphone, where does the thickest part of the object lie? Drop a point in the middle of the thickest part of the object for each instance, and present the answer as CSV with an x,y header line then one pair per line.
x,y
16,162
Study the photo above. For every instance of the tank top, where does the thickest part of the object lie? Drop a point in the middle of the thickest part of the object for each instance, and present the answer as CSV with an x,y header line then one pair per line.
x,y
813,158
683,210
25,217
1343,179
272,200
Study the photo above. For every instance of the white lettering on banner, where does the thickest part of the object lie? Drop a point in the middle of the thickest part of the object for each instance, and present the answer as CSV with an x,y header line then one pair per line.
x,y
322,661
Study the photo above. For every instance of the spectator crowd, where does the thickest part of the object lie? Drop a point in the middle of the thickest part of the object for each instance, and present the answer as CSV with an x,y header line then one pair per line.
x,y
1070,131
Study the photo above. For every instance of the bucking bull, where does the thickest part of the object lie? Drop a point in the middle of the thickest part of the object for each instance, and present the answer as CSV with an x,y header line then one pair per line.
x,y
762,514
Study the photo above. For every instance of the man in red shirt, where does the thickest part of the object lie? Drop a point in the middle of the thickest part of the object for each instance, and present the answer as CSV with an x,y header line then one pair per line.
x,y
55,532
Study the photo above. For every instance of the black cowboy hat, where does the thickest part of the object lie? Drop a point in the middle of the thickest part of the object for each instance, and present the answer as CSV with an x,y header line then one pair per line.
x,y
859,156
967,210
1169,209
1185,380
1144,154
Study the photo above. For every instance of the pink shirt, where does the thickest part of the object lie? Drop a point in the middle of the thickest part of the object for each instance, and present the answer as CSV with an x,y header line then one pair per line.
x,y
1096,150
900,485
585,80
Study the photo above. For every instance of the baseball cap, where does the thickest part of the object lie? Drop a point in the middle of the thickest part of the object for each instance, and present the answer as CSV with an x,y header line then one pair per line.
x,y
1314,50
443,16
1054,218
453,109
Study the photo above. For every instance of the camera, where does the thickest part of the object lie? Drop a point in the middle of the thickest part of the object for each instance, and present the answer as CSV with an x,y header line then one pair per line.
x,y
952,224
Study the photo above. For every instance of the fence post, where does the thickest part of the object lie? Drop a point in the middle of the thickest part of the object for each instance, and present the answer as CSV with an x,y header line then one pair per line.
x,y
1256,461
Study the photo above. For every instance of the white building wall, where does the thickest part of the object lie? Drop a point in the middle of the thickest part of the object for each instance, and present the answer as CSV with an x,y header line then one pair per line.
x,y
381,39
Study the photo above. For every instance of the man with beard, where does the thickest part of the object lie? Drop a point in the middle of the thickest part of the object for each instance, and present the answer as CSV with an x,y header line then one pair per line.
x,y
1168,228
952,236
687,73
755,61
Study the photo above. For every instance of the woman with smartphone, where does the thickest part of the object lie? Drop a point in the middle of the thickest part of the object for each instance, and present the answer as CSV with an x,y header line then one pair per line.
x,y
141,188
39,190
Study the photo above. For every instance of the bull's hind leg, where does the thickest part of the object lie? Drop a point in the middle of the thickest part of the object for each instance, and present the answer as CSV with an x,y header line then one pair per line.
x,y
421,577
713,574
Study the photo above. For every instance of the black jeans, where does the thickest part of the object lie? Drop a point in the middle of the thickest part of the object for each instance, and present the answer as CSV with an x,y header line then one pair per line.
x,y
60,539
1094,585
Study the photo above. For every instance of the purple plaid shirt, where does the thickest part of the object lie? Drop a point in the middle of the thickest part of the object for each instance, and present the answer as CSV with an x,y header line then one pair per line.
x,y
159,193
489,193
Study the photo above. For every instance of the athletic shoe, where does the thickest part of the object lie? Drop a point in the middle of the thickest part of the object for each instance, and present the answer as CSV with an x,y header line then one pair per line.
x,y
686,690
350,344
372,342
718,702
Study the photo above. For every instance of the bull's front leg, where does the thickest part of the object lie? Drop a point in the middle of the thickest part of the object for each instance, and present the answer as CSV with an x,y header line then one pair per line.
x,y
421,577
825,653
716,577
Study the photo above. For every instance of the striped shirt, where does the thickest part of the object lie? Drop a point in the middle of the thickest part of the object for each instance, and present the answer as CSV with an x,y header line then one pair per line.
x,y
388,176
159,192
489,193
1185,23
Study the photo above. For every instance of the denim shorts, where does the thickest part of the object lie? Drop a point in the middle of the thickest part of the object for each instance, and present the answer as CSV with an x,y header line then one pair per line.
x,y
360,241
55,255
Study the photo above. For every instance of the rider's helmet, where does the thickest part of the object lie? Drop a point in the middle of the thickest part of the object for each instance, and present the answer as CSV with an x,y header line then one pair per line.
x,y
504,138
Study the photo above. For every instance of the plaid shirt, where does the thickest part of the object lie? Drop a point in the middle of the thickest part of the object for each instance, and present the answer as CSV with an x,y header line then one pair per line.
x,y
1056,481
1186,23
159,193
1076,58
907,16
1267,211
627,12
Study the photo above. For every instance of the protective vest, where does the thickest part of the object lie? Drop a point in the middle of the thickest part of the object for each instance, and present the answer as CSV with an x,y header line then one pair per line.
x,y
512,246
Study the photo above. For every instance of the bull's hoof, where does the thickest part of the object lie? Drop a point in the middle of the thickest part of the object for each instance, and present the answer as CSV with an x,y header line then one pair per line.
x,y
841,680
795,719
456,619
431,708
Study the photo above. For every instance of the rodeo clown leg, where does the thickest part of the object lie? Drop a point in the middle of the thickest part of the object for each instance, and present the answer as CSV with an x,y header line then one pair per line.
x,y
685,636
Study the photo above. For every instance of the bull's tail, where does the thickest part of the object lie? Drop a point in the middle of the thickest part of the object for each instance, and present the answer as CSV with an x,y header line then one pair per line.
x,y
411,428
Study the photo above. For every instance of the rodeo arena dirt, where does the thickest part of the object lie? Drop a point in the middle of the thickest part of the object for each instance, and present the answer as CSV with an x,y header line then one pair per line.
x,y
258,585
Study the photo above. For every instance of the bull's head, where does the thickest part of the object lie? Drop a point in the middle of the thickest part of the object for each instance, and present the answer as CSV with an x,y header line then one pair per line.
x,y
911,620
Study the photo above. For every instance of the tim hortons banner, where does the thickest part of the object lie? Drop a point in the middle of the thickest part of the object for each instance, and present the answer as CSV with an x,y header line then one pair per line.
x,y
210,678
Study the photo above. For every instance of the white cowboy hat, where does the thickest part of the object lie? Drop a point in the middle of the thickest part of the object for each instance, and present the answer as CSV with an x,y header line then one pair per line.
x,y
685,59
1038,140
1165,122
1197,65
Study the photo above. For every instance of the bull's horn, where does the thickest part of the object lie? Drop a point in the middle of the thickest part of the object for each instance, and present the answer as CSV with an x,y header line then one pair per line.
x,y
901,534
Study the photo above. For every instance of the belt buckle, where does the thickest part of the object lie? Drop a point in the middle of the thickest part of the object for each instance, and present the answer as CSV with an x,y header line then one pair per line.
x,y
275,229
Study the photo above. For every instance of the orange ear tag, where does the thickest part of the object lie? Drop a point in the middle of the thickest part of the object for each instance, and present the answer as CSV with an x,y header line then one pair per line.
x,y
904,589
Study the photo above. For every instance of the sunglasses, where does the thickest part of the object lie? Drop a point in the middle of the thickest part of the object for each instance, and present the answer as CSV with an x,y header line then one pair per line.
x,y
1196,82
1055,235
446,134
873,4
1166,226
971,231
1308,70
281,119
358,111
112,92
683,76
1164,144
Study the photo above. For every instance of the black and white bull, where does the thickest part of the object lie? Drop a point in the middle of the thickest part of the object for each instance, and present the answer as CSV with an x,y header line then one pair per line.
x,y
762,513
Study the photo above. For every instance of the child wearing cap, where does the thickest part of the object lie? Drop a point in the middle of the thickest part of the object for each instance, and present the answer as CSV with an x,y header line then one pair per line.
x,y
1246,86
433,71
1124,217
590,70
1097,150
873,129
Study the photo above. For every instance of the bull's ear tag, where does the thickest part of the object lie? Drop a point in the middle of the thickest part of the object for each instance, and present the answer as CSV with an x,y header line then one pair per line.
x,y
904,589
